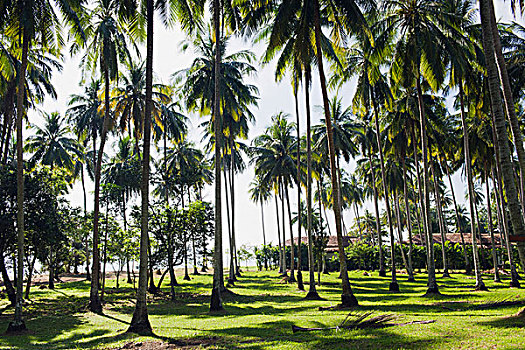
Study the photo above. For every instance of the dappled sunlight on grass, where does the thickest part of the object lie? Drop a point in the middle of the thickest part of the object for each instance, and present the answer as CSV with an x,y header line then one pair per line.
x,y
262,311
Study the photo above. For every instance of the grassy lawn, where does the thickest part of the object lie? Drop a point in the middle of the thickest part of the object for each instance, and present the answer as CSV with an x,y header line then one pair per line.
x,y
262,313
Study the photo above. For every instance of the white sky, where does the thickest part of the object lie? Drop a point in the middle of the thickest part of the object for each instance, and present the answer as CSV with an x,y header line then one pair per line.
x,y
274,97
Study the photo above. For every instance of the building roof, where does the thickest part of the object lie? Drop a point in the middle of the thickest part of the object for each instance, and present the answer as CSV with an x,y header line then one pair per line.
x,y
456,238
332,242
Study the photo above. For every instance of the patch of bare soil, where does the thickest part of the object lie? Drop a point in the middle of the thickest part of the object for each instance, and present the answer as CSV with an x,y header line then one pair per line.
x,y
185,344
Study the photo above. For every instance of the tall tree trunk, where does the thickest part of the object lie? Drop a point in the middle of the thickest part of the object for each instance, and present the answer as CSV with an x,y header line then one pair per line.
x,y
292,245
283,225
30,270
409,219
491,229
216,302
480,285
515,208
509,103
382,272
347,297
86,242
264,237
312,290
104,259
282,269
140,321
440,219
10,290
431,284
400,230
458,223
300,284
232,194
231,273
18,323
394,286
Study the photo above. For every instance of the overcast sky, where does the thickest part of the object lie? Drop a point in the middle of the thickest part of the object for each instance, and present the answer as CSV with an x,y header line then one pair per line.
x,y
274,97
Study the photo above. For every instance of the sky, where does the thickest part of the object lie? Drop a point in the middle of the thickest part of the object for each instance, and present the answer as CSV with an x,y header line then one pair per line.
x,y
273,98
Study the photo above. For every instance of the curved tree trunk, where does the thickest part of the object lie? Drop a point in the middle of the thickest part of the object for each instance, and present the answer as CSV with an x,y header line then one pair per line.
x,y
491,229
232,194
440,219
312,290
409,219
515,208
218,283
347,297
140,321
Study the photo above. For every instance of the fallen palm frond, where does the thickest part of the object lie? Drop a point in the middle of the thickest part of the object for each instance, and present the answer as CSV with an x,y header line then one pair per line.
x,y
498,303
361,321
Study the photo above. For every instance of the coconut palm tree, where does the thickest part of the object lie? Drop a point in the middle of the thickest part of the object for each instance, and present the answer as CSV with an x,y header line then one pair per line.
x,y
31,23
259,192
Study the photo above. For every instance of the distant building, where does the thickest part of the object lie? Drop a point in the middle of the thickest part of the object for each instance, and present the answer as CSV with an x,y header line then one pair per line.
x,y
331,246
456,238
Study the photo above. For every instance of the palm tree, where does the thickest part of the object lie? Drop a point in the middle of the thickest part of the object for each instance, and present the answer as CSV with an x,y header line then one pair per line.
x,y
259,192
51,144
106,47
31,23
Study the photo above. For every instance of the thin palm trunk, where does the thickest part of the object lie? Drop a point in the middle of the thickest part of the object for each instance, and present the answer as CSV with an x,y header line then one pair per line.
x,y
18,323
347,297
300,284
86,243
105,254
283,225
232,195
431,284
231,272
382,272
458,223
218,284
409,219
400,237
30,270
292,244
140,321
491,229
514,206
312,291
437,197
480,285
264,237
394,286
281,259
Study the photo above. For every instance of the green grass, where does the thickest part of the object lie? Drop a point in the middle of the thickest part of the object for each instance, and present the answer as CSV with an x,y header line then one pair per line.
x,y
263,312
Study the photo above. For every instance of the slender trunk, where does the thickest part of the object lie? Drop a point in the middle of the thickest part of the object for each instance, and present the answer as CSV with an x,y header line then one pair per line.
x,y
232,194
431,284
218,283
300,284
508,99
7,139
195,271
264,237
382,272
10,290
173,278
292,245
31,268
394,286
283,225
347,297
480,285
458,223
491,229
312,290
409,219
51,279
86,242
281,264
440,219
400,230
18,322
140,321
104,259
231,272
515,208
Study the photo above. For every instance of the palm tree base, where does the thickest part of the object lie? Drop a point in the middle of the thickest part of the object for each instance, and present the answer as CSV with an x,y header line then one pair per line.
x,y
432,292
514,283
349,300
446,274
153,289
230,282
292,278
140,324
382,273
216,302
312,296
16,327
393,287
411,279
300,284
95,305
481,287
